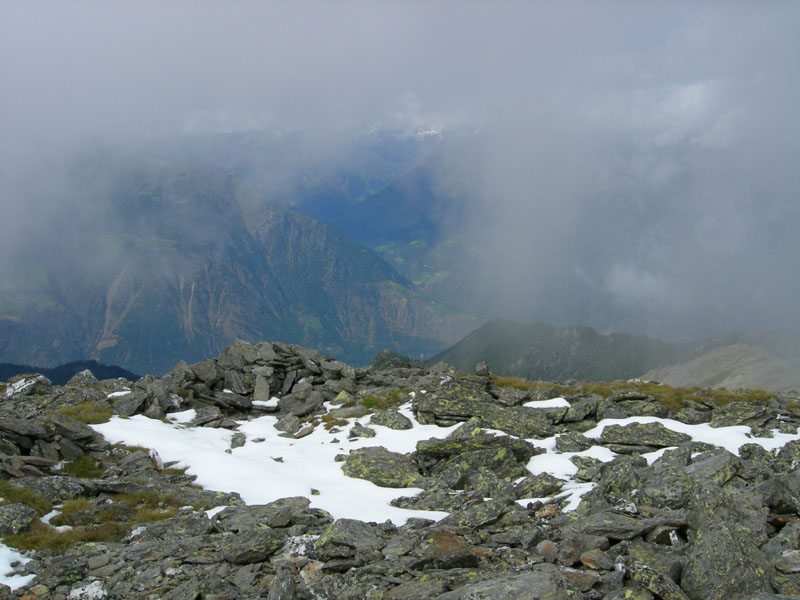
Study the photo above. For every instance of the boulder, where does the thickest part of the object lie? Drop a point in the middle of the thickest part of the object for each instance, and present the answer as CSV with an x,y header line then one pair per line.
x,y
542,582
382,467
391,419
15,518
347,537
643,434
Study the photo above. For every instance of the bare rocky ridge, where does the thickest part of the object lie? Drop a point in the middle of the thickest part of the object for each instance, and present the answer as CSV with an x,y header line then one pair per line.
x,y
732,367
699,522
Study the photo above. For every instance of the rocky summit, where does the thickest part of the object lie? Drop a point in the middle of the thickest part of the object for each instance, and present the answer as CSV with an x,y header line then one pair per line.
x,y
393,482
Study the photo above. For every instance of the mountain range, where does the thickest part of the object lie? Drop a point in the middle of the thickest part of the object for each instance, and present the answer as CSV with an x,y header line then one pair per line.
x,y
767,360
174,249
163,260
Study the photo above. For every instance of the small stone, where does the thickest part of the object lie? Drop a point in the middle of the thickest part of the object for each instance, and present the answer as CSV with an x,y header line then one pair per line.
x,y
548,550
452,552
304,432
358,430
789,562
97,561
597,559
238,440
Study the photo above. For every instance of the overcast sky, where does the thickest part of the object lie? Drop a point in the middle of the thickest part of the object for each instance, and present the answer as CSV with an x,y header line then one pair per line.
x,y
640,155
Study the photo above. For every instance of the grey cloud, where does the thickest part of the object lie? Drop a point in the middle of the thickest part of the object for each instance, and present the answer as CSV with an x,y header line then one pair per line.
x,y
636,165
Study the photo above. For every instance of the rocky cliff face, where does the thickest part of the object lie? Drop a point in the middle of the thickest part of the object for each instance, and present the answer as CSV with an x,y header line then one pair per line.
x,y
619,491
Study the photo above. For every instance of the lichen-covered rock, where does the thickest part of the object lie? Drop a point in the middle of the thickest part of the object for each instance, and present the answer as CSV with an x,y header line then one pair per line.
x,y
741,413
538,486
15,517
391,419
655,581
438,448
358,430
55,489
280,513
252,546
519,421
722,564
70,428
612,525
347,537
718,466
382,467
542,582
477,515
643,434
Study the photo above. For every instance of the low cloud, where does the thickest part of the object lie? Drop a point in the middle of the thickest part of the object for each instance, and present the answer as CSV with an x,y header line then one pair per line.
x,y
629,165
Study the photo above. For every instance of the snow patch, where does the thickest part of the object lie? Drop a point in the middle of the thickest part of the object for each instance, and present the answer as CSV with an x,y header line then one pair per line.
x,y
551,403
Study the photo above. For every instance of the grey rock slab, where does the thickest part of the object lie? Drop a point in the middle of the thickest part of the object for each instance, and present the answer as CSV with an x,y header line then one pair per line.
x,y
542,582
789,562
55,489
722,564
741,413
391,419
613,526
381,467
477,515
129,404
23,427
356,536
70,428
207,371
252,546
282,587
359,431
719,467
643,434
441,448
280,513
538,486
233,400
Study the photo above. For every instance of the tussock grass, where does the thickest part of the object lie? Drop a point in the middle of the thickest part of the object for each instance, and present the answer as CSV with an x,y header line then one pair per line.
x,y
14,495
329,422
87,412
40,536
131,449
391,400
523,384
84,467
92,523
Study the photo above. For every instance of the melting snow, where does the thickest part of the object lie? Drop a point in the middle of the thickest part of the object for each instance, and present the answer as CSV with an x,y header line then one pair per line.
x,y
7,558
552,403
278,467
